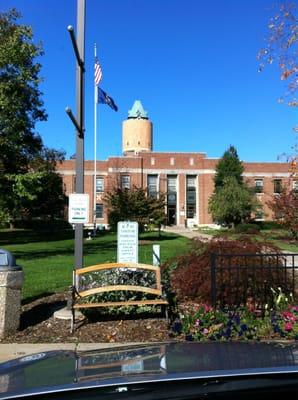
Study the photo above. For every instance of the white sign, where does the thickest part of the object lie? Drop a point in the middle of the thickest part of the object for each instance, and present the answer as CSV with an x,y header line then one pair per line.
x,y
78,210
127,242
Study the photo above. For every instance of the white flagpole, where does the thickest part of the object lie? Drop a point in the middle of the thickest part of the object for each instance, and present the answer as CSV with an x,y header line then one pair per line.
x,y
95,145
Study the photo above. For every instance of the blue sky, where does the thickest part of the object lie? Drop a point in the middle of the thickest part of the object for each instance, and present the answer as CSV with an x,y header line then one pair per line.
x,y
192,63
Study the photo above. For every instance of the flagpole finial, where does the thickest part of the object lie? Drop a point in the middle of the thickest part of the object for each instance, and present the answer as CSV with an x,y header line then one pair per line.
x,y
95,50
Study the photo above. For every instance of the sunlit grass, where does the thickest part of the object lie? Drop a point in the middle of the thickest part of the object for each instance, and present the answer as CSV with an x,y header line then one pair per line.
x,y
48,263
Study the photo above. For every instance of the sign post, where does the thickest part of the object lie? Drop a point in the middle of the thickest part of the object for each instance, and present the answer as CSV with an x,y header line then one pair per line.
x,y
156,255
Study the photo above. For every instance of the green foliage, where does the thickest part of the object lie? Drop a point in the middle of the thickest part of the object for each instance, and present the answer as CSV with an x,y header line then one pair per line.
x,y
248,229
28,185
20,99
228,166
134,205
268,225
232,203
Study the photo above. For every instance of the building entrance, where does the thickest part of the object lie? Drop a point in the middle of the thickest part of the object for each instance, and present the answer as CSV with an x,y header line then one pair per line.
x,y
171,217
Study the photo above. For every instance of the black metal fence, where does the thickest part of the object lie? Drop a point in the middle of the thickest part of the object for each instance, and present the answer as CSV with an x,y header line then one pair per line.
x,y
253,278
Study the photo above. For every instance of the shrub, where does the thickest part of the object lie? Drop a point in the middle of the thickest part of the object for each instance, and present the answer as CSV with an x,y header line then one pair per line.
x,y
268,225
252,229
43,225
189,276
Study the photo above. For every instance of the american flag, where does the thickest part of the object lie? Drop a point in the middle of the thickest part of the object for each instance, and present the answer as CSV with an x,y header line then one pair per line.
x,y
97,72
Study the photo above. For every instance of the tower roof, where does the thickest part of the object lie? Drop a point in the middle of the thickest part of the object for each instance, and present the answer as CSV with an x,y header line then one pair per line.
x,y
137,111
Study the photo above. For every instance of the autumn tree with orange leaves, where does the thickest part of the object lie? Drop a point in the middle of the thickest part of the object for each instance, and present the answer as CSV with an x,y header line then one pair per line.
x,y
285,209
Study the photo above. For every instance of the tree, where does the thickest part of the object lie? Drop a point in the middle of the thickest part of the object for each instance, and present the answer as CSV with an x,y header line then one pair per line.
x,y
26,165
232,203
281,47
285,209
134,205
228,166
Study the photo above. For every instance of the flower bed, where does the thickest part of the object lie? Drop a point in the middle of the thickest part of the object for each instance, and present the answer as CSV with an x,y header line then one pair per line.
x,y
201,322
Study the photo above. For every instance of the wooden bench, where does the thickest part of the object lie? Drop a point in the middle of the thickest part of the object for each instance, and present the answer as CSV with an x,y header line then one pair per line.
x,y
79,292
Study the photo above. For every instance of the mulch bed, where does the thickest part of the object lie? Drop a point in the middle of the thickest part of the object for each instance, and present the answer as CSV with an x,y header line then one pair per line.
x,y
39,326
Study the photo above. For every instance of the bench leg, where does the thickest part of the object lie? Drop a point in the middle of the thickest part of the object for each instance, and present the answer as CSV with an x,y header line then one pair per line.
x,y
72,320
164,309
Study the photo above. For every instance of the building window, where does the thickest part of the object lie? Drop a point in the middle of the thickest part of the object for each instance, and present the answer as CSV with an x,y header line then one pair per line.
x,y
259,185
152,161
125,182
171,189
190,196
152,186
172,161
277,186
259,215
171,199
99,210
191,161
295,186
171,184
99,184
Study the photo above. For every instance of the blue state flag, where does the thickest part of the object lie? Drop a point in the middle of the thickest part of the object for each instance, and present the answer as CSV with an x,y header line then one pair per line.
x,y
103,98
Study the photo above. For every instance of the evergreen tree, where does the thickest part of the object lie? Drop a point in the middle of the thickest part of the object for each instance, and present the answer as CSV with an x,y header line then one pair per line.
x,y
232,203
228,166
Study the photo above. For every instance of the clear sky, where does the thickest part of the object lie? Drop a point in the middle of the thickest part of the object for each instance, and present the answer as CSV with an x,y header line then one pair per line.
x,y
192,63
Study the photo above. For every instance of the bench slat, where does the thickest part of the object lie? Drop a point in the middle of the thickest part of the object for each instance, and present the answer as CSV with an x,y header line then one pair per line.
x,y
113,288
122,303
99,267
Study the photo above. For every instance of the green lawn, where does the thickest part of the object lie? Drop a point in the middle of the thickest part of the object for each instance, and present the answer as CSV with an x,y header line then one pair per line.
x,y
48,258
279,237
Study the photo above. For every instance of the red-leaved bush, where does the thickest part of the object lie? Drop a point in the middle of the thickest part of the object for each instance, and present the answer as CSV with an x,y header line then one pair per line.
x,y
243,274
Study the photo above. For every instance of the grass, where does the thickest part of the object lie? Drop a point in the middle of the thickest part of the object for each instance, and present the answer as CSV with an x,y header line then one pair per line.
x,y
47,258
279,237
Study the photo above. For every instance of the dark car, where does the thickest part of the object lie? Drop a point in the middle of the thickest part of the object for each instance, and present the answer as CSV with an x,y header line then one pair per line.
x,y
159,371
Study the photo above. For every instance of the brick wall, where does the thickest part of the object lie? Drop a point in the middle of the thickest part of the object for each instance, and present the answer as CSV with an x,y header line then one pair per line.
x,y
179,164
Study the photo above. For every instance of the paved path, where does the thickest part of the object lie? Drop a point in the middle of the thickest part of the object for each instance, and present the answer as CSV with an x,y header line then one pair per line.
x,y
187,232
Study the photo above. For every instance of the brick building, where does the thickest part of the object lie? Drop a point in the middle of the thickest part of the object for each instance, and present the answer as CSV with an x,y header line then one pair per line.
x,y
186,178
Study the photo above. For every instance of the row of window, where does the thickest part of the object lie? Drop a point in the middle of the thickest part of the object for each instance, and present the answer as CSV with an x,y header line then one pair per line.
x,y
125,183
171,184
191,195
277,185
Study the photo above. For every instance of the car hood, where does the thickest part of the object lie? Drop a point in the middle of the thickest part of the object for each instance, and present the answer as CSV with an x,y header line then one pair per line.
x,y
68,370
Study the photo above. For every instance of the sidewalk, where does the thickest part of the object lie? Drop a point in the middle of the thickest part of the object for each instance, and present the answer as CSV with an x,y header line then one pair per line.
x,y
187,232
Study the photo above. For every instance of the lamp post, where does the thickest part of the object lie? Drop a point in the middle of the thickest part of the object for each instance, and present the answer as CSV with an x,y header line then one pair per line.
x,y
79,50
